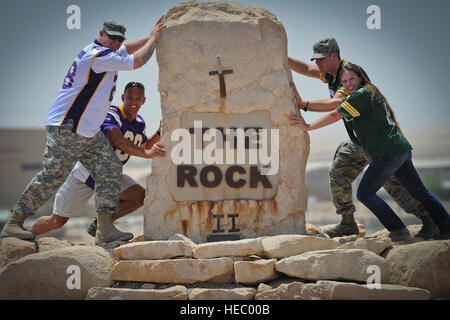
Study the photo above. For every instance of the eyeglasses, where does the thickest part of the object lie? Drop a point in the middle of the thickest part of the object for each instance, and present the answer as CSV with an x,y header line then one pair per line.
x,y
115,38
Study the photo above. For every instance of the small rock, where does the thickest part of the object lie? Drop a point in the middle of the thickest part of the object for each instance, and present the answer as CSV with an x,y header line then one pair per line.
x,y
263,287
380,234
218,270
334,290
282,246
345,239
240,248
172,293
377,246
138,238
49,243
148,286
12,249
66,273
153,250
310,228
287,291
178,236
353,291
337,264
254,272
424,264
222,294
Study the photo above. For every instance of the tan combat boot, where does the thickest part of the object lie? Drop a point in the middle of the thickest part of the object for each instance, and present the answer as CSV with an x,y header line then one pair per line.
x,y
14,227
346,227
107,232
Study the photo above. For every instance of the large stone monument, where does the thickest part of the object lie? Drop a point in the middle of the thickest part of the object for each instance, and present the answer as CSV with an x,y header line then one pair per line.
x,y
235,168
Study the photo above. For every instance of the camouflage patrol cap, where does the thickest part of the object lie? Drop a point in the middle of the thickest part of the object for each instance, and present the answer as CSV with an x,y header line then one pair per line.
x,y
324,48
113,28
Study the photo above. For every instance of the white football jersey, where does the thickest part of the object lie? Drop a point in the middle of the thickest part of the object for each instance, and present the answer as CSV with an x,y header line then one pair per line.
x,y
89,88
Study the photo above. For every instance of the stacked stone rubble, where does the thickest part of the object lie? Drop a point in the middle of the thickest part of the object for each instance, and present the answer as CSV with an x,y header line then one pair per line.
x,y
273,267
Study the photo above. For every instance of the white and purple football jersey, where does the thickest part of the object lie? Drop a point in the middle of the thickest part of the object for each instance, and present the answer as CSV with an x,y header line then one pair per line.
x,y
88,88
135,131
116,119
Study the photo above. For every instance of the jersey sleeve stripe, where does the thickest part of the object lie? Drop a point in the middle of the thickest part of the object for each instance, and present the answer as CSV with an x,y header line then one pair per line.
x,y
344,92
350,109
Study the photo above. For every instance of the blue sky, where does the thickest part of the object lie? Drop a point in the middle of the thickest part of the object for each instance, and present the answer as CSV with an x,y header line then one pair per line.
x,y
407,58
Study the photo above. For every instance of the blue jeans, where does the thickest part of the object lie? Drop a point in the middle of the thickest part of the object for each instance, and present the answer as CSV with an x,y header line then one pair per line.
x,y
379,171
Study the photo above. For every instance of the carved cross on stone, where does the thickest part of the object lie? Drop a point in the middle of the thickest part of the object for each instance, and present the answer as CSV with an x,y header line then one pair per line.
x,y
221,72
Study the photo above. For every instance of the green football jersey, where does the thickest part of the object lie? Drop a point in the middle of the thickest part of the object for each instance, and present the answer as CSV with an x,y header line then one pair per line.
x,y
375,131
335,85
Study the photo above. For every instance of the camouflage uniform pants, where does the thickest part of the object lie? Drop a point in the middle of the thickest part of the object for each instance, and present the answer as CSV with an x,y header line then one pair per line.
x,y
348,162
63,149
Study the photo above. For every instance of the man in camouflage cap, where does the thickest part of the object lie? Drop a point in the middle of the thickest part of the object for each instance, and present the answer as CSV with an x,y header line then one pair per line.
x,y
349,159
324,48
115,29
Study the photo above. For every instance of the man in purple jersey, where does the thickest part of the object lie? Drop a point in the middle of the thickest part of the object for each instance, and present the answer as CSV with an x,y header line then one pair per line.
x,y
125,129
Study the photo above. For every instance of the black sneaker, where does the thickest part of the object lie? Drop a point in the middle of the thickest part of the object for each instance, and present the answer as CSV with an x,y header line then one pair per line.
x,y
92,229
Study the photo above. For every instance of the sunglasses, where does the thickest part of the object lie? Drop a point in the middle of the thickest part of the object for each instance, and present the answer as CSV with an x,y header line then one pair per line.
x,y
134,85
116,38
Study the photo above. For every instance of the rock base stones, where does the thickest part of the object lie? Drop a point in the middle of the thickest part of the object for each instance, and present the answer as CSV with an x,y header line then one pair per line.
x,y
333,290
44,275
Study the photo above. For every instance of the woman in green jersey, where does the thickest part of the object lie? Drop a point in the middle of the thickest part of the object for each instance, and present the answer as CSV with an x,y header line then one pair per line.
x,y
368,113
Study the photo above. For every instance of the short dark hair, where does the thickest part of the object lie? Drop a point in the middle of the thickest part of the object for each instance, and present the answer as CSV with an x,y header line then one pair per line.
x,y
134,84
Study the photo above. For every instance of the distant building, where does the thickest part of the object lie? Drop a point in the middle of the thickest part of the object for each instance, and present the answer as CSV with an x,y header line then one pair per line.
x,y
21,152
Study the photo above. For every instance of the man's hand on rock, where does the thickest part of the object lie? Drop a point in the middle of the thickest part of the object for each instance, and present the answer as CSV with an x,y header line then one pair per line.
x,y
159,26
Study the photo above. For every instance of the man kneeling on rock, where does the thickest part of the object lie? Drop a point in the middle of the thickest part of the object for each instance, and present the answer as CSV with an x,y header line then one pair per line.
x,y
125,129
